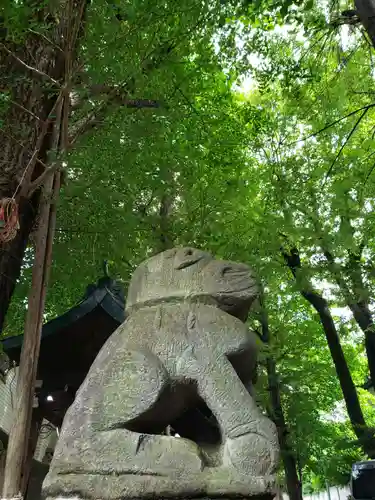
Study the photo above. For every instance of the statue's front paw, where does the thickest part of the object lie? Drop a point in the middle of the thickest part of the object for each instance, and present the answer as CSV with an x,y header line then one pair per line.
x,y
251,454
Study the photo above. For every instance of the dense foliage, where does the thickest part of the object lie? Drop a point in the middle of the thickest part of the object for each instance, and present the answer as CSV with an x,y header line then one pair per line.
x,y
262,139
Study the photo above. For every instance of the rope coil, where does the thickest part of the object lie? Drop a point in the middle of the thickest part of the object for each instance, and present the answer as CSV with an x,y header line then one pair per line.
x,y
9,221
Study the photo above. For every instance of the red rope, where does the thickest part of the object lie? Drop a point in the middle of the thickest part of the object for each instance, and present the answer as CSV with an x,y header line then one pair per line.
x,y
9,222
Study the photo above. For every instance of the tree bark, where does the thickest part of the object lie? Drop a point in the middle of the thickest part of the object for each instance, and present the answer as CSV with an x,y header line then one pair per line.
x,y
23,71
25,135
363,317
165,239
363,433
357,299
292,480
12,253
366,14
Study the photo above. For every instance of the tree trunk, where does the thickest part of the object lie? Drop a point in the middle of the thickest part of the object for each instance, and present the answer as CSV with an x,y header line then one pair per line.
x,y
363,433
165,240
366,13
363,317
25,69
293,482
26,133
357,299
346,382
11,254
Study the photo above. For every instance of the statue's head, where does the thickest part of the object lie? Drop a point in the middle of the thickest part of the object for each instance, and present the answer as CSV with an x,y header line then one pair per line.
x,y
190,274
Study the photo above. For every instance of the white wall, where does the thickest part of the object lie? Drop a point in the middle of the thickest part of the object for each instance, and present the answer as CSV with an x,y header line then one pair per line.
x,y
47,438
7,401
335,493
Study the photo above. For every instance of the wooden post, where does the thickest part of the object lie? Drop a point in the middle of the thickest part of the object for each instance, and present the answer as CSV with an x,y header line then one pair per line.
x,y
20,430
36,423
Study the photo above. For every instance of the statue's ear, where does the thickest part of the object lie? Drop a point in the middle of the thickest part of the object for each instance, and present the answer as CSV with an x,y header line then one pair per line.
x,y
186,257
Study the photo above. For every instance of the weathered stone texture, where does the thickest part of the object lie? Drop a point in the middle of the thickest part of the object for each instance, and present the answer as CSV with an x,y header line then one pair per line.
x,y
184,342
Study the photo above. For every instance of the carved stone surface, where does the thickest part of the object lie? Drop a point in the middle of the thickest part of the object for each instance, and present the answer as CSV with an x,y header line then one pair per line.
x,y
184,341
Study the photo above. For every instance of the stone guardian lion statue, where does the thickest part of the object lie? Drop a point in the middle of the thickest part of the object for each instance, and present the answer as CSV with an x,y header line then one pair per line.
x,y
184,341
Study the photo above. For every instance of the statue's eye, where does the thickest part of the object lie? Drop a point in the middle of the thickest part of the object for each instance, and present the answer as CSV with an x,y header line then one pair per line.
x,y
188,257
226,270
187,263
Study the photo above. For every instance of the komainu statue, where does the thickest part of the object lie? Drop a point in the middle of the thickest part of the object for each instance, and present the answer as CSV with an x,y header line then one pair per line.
x,y
184,344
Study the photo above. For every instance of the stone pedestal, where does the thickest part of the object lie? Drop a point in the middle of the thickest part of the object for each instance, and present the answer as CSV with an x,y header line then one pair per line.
x,y
258,497
214,483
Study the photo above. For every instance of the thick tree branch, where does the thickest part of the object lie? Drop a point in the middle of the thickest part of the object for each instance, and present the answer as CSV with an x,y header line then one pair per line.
x,y
366,13
86,124
349,16
94,116
117,93
356,295
364,434
41,179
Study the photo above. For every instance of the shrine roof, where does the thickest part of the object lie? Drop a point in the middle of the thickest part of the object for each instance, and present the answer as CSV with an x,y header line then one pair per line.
x,y
71,341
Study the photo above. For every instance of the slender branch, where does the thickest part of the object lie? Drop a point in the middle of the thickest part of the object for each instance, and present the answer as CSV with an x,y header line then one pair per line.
x,y
26,110
80,231
192,107
326,127
311,46
357,92
30,68
369,174
47,39
368,156
321,50
346,142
